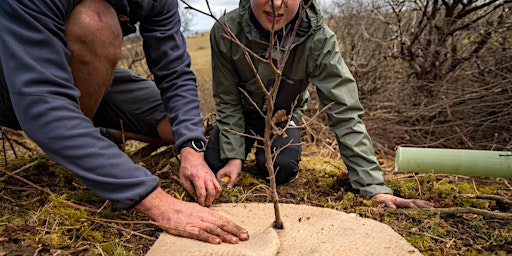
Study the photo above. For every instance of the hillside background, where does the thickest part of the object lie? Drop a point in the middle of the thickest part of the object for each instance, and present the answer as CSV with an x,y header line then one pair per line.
x,y
429,74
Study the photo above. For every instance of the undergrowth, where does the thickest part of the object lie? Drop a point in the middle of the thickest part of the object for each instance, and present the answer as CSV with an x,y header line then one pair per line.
x,y
44,210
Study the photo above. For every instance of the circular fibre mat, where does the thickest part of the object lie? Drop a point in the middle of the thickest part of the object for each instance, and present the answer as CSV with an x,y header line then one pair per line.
x,y
307,231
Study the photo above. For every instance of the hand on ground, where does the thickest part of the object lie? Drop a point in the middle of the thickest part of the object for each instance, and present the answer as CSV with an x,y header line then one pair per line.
x,y
392,201
232,170
197,178
190,220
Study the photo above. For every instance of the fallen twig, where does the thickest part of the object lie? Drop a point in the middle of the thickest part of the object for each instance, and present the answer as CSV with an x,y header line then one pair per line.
x,y
121,228
149,222
452,210
25,180
502,199
17,171
94,210
423,234
449,112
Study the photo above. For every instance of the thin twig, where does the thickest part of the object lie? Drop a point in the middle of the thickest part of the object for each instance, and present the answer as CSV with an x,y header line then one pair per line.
x,y
448,111
19,170
99,220
502,199
245,195
318,112
6,137
506,183
423,234
25,181
148,222
452,210
419,185
95,210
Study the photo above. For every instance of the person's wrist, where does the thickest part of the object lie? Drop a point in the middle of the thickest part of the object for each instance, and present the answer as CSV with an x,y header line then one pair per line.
x,y
235,162
195,144
152,202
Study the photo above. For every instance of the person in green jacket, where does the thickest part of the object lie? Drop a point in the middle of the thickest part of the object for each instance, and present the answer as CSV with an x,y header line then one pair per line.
x,y
314,58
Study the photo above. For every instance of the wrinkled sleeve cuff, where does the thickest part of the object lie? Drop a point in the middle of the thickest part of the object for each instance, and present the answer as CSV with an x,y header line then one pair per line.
x,y
370,191
142,198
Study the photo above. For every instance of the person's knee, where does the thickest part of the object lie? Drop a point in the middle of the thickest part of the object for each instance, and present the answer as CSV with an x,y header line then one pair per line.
x,y
165,131
285,171
212,153
97,18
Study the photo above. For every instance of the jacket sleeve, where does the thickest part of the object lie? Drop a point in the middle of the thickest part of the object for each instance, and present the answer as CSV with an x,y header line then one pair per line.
x,y
336,84
33,60
228,101
169,62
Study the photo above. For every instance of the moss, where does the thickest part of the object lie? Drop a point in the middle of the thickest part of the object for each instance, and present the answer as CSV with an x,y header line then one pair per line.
x,y
371,203
56,239
248,180
93,235
404,188
445,190
323,166
84,196
330,206
418,241
110,249
113,248
48,222
233,195
488,190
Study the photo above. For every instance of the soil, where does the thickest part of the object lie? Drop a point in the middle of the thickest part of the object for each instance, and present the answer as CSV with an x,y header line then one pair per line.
x,y
46,211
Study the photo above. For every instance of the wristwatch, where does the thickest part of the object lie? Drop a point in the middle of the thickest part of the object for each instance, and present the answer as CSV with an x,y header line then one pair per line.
x,y
195,144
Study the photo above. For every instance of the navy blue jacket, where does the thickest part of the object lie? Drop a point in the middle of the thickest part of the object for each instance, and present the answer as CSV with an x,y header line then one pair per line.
x,y
34,68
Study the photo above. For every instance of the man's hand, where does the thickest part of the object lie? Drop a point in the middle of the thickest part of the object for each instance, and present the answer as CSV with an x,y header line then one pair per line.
x,y
190,219
232,170
394,202
197,178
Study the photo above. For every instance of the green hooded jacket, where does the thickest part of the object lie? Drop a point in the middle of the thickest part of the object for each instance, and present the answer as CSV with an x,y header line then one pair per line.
x,y
314,58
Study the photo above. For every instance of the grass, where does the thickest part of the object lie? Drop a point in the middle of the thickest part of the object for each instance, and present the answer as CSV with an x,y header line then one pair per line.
x,y
44,210
200,53
199,48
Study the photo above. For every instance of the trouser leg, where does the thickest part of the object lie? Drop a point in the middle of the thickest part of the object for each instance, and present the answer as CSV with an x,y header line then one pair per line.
x,y
7,115
286,163
212,153
133,104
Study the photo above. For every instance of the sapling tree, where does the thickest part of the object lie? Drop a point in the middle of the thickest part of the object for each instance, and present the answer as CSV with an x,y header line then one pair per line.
x,y
268,111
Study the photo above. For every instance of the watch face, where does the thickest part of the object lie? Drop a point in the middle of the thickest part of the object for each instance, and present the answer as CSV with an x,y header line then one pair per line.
x,y
198,145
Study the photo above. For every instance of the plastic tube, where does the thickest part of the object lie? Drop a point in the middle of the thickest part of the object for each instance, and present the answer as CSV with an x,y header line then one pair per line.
x,y
482,163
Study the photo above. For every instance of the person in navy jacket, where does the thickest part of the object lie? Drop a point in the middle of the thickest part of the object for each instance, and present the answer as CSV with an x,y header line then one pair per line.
x,y
59,83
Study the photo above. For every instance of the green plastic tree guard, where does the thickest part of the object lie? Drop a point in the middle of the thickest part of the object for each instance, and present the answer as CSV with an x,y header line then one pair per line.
x,y
484,163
